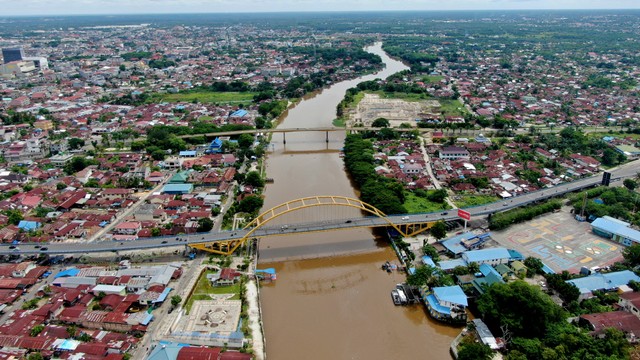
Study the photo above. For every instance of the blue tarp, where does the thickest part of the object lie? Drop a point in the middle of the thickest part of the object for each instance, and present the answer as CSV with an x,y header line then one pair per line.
x,y
67,273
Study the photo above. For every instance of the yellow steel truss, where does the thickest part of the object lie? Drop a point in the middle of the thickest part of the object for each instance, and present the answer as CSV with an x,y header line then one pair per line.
x,y
227,247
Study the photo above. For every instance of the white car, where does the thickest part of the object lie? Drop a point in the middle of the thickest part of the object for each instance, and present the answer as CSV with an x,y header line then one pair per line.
x,y
405,218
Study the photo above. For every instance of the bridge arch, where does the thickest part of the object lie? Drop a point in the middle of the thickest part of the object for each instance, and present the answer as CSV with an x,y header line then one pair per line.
x,y
227,247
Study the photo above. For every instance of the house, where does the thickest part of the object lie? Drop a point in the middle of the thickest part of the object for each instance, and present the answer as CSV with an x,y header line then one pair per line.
x,y
598,323
226,277
128,228
453,152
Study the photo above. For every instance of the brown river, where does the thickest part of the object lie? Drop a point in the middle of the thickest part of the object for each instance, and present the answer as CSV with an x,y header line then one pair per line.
x,y
331,299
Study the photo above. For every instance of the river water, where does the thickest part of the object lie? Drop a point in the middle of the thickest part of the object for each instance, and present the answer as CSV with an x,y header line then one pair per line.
x,y
331,299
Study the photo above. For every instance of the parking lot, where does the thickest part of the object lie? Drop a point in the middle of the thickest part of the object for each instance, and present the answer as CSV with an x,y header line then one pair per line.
x,y
560,241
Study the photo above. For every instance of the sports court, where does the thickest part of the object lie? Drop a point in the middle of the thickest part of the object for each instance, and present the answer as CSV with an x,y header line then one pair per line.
x,y
560,241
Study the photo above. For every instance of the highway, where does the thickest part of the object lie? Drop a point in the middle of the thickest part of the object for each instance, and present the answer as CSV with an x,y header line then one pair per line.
x,y
625,171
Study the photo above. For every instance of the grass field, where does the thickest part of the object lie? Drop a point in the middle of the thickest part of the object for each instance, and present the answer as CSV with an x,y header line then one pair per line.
x,y
452,107
430,79
475,200
205,97
415,204
203,289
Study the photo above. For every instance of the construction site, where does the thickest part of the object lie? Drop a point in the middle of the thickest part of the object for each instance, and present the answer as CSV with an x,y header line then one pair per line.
x,y
397,111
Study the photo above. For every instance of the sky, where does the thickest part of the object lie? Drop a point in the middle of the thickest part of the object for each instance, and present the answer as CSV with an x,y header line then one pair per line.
x,y
63,7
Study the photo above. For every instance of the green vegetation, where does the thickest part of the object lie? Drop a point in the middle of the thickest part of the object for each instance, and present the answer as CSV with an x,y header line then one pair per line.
x,y
414,203
204,96
618,202
204,289
502,220
385,194
469,200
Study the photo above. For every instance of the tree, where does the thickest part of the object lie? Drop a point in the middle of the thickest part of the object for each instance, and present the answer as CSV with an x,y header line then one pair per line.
x,y
35,356
380,123
75,143
36,330
61,186
250,204
176,300
205,224
421,276
631,254
526,310
254,179
430,251
439,230
245,141
475,351
534,264
630,184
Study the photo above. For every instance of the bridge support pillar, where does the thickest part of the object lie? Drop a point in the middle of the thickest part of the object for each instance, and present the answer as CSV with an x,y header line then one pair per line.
x,y
284,138
327,137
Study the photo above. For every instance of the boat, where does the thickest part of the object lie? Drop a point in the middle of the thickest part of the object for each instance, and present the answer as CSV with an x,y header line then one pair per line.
x,y
395,297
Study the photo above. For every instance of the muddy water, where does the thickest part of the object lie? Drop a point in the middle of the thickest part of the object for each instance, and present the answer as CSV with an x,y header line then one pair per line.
x,y
337,306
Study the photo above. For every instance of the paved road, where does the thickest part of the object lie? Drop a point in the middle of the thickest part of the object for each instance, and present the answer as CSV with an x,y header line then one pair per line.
x,y
627,170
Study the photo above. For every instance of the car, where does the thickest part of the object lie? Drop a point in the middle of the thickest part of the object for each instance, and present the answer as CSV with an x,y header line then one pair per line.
x,y
164,241
444,213
37,246
405,218
12,247
504,204
121,243
44,248
348,222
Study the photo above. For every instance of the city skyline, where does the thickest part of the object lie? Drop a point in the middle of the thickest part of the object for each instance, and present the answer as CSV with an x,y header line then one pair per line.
x,y
88,7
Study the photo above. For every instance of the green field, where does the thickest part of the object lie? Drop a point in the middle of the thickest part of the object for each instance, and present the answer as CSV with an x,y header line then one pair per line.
x,y
452,107
430,79
203,289
475,200
210,97
415,204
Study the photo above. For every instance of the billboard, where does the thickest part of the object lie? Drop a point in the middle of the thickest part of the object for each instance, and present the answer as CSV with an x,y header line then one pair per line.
x,y
464,214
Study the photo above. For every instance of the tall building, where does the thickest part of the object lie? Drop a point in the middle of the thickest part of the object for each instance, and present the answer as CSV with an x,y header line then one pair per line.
x,y
12,54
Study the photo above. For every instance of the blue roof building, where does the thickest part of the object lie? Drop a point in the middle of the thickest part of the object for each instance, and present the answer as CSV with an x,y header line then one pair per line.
x,y
215,146
616,230
28,225
427,260
493,256
449,265
447,303
188,153
177,189
489,277
240,113
608,281
70,272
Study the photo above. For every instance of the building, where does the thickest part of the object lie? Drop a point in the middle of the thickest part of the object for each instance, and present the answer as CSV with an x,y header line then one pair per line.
x,y
12,54
492,256
454,152
60,160
616,230
177,189
607,282
447,303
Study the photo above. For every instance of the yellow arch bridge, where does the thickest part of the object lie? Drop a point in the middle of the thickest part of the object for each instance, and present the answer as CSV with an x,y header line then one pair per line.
x,y
264,224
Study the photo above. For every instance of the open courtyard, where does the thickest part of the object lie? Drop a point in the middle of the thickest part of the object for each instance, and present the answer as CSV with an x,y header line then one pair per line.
x,y
560,241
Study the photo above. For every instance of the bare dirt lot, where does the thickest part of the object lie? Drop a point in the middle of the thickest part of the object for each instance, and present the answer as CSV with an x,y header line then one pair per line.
x,y
397,111
560,241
